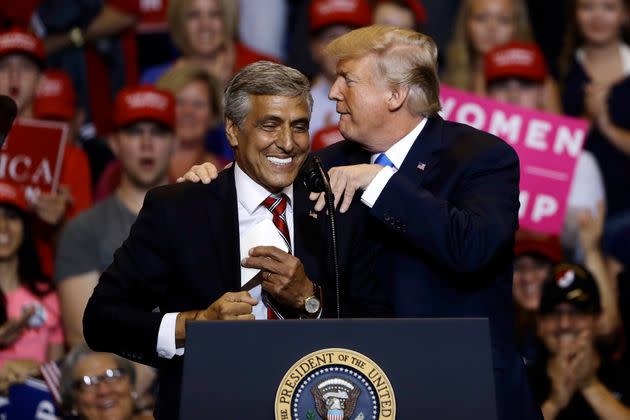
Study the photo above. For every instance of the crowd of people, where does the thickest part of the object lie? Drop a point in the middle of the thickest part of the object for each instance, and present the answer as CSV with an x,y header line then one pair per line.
x,y
140,85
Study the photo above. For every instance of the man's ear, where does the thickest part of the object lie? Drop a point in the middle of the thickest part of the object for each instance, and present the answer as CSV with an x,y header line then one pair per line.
x,y
397,98
231,129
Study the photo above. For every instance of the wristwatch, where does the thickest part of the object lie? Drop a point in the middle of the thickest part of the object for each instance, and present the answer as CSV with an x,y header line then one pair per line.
x,y
312,304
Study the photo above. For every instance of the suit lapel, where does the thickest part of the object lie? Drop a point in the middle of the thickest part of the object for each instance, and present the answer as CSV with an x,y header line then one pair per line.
x,y
419,161
224,232
308,241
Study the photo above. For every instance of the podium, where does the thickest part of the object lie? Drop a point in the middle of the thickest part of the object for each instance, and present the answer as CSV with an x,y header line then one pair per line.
x,y
338,369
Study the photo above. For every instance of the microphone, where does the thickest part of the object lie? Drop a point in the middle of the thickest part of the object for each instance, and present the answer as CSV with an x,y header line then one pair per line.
x,y
316,179
8,112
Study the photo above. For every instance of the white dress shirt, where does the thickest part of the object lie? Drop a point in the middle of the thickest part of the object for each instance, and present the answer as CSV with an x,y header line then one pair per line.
x,y
396,154
251,211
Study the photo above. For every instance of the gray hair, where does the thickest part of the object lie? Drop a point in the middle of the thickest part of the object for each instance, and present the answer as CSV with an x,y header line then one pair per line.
x,y
66,386
263,78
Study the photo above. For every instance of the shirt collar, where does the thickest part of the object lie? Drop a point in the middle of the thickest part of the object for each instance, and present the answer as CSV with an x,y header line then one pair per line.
x,y
399,150
251,194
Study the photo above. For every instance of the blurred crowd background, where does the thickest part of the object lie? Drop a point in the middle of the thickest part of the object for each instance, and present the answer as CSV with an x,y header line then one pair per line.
x,y
82,62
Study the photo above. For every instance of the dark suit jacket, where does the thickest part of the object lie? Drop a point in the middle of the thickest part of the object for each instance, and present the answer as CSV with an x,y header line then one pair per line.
x,y
183,254
446,221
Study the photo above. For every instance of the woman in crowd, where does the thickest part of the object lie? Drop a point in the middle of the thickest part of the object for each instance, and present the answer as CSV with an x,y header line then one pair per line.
x,y
30,316
197,110
596,68
97,386
482,25
205,33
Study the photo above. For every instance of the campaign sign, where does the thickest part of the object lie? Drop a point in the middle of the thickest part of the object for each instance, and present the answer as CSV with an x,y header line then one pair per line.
x,y
31,400
32,155
548,146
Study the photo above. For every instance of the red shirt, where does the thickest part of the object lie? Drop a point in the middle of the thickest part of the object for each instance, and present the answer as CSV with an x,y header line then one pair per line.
x,y
152,17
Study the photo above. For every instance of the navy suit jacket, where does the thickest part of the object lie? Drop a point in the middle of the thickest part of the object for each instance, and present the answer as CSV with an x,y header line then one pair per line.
x,y
183,254
446,220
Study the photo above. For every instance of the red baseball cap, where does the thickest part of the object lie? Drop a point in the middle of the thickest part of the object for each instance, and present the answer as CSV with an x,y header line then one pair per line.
x,y
547,246
516,59
416,6
144,103
55,98
354,13
12,195
18,41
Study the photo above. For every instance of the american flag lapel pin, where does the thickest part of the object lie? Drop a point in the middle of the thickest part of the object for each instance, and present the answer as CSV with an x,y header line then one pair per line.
x,y
421,166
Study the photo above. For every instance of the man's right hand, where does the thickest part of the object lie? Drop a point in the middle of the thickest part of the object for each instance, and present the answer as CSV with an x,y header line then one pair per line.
x,y
230,306
204,173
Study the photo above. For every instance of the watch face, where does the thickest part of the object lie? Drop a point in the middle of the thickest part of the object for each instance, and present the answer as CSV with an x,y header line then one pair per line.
x,y
311,305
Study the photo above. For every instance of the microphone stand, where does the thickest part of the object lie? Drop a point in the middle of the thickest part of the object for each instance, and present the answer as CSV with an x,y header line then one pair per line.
x,y
316,180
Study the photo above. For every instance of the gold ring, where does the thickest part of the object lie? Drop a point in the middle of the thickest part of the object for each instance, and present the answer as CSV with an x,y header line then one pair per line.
x,y
267,275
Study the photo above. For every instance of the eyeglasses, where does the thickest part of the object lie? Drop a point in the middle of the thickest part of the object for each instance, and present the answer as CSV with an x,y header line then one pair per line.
x,y
110,376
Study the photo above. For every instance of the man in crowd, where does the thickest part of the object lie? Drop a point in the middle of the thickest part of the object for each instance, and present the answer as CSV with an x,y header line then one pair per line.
x,y
574,380
184,249
143,142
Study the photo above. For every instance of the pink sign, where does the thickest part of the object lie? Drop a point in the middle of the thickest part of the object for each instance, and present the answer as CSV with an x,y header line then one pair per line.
x,y
33,154
548,146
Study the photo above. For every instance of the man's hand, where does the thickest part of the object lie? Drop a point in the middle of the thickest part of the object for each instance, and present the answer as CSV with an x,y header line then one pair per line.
x,y
283,275
563,382
205,173
51,207
230,306
586,365
344,182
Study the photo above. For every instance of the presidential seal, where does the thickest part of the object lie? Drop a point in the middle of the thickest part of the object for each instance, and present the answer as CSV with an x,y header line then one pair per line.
x,y
335,384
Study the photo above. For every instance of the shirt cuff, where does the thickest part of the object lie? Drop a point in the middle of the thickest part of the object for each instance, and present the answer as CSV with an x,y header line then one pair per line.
x,y
374,189
166,337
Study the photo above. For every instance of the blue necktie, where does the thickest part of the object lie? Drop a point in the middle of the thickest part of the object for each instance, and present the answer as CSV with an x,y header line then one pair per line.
x,y
382,159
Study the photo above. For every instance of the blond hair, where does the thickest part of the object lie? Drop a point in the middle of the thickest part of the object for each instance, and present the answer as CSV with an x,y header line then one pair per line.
x,y
460,55
180,75
176,15
407,58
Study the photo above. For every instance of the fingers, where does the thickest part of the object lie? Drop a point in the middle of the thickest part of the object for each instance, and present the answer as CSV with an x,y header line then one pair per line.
x,y
241,297
269,251
347,198
263,263
321,202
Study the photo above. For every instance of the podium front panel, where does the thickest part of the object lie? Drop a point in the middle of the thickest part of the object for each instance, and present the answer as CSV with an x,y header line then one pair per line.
x,y
436,368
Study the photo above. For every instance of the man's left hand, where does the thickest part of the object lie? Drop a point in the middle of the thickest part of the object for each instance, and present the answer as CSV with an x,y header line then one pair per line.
x,y
283,275
344,182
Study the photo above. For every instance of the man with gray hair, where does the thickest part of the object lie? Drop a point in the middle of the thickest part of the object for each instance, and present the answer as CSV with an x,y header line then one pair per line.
x,y
194,247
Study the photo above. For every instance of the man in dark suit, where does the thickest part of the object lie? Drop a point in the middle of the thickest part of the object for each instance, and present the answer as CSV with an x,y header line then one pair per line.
x,y
443,196
183,254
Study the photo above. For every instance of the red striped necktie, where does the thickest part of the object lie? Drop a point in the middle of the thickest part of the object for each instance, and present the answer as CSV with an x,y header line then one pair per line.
x,y
277,205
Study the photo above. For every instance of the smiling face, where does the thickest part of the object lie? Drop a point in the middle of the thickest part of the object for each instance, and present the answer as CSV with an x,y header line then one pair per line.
x,y
530,273
111,398
272,142
565,327
11,232
204,27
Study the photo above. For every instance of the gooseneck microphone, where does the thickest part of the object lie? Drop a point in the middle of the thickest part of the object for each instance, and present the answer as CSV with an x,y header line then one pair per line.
x,y
316,180
8,112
